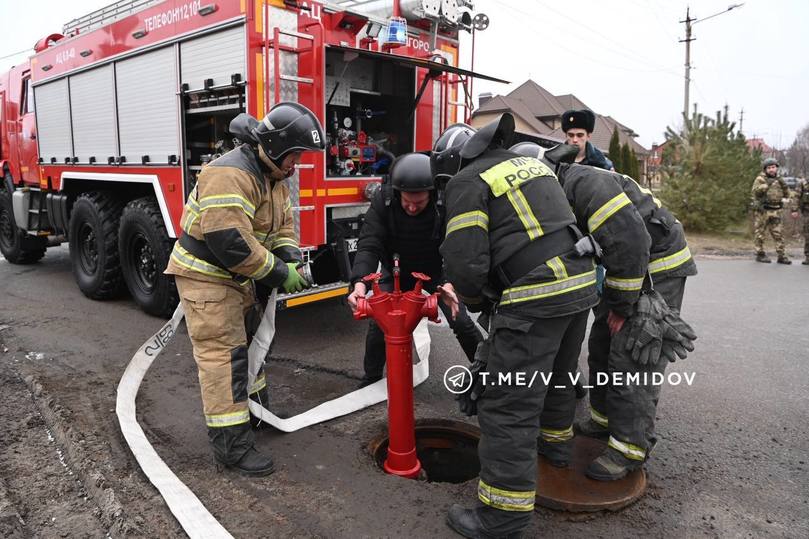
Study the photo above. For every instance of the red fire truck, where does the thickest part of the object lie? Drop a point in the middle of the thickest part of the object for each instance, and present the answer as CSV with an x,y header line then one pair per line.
x,y
104,129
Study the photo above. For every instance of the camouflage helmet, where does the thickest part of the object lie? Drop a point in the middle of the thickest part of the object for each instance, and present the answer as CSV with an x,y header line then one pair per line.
x,y
769,161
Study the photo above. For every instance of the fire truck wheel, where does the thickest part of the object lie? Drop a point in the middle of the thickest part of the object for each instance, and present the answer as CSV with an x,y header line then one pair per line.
x,y
145,246
17,246
94,244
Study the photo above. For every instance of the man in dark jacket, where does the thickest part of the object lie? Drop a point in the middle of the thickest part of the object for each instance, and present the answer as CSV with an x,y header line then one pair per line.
x,y
406,219
511,230
578,126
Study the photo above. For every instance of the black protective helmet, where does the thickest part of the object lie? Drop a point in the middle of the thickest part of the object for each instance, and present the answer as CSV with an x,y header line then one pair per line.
x,y
528,149
445,158
769,161
553,157
411,172
289,127
498,133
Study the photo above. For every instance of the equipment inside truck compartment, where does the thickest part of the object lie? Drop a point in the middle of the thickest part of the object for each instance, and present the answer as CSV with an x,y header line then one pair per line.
x,y
369,120
207,116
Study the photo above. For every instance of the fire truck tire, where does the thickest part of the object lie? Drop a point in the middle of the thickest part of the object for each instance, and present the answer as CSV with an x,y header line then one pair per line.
x,y
144,246
16,245
93,238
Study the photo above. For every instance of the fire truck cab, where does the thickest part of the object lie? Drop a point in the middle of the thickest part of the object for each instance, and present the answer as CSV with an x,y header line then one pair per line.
x,y
104,129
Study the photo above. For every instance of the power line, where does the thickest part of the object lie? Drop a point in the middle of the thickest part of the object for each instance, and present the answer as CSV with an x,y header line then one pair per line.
x,y
579,55
15,53
621,50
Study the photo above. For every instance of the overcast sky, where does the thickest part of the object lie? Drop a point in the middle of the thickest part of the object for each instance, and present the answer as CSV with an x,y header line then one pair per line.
x,y
622,58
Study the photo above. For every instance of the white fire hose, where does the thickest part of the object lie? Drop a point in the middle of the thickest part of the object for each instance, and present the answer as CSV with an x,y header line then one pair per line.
x,y
186,507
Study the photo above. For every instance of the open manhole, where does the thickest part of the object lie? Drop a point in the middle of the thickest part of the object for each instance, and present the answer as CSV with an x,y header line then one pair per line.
x,y
447,450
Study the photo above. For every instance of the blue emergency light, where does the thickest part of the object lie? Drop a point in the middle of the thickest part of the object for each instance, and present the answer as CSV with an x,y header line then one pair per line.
x,y
396,32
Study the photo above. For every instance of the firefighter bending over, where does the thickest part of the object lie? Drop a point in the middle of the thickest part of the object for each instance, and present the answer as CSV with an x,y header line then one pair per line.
x,y
622,413
237,228
512,248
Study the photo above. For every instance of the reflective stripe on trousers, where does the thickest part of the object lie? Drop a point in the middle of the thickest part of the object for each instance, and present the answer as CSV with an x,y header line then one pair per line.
x,y
630,451
555,435
227,420
506,500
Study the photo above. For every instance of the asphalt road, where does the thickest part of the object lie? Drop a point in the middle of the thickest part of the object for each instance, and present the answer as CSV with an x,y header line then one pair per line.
x,y
732,459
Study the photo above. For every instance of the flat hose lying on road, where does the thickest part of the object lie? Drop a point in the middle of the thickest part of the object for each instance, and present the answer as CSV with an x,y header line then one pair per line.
x,y
348,403
186,507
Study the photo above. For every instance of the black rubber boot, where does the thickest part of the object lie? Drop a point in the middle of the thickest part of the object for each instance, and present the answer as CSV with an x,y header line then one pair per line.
x,y
806,261
590,428
557,453
762,257
233,448
611,466
784,259
467,522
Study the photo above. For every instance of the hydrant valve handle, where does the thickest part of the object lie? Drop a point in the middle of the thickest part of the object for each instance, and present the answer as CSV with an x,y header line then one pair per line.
x,y
373,277
420,278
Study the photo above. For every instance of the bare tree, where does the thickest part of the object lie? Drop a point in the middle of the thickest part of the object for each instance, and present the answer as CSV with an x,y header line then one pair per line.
x,y
798,154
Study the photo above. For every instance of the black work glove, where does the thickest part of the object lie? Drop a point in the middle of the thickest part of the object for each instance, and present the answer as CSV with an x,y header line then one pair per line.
x,y
468,400
644,334
678,337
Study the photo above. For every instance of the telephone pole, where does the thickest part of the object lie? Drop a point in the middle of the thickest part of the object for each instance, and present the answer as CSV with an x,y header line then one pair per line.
x,y
688,39
689,23
741,120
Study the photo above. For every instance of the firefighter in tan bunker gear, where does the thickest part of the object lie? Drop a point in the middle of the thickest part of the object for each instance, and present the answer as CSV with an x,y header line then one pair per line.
x,y
237,228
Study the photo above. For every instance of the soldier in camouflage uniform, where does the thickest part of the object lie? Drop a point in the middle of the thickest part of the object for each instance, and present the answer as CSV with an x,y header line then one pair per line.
x,y
769,190
801,203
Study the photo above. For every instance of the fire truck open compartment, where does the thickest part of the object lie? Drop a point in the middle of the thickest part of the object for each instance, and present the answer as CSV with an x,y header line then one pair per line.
x,y
369,113
206,117
213,93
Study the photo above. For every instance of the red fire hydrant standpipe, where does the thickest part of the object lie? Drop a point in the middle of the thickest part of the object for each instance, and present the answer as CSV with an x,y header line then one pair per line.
x,y
397,315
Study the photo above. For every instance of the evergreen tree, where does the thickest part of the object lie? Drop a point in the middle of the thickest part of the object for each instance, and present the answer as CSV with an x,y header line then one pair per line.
x,y
626,160
615,150
634,170
707,172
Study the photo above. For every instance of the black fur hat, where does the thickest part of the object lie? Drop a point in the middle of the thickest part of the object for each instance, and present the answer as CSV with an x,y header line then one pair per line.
x,y
582,119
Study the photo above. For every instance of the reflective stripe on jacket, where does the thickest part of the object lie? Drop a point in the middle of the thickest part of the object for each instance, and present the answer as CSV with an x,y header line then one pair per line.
x,y
244,218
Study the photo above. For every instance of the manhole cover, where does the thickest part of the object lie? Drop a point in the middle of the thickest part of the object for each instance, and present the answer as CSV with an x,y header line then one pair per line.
x,y
447,450
568,489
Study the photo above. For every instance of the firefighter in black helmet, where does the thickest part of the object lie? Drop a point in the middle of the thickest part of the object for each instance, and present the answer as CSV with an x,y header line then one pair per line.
x,y
406,218
237,228
624,414
445,159
511,231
